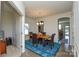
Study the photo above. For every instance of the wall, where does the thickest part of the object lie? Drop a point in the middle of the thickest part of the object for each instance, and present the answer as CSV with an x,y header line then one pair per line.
x,y
76,27
51,23
20,8
18,30
6,22
11,24
0,8
0,15
32,25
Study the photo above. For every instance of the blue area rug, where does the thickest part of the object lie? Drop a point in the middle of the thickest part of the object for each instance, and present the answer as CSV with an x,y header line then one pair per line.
x,y
43,51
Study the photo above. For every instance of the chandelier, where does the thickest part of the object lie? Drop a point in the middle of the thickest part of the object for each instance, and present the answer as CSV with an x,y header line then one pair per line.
x,y
40,23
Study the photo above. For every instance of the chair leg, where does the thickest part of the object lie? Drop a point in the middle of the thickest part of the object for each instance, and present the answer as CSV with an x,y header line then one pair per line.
x,y
36,43
44,43
51,47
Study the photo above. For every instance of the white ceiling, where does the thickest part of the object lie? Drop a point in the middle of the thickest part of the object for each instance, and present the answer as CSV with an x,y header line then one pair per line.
x,y
46,8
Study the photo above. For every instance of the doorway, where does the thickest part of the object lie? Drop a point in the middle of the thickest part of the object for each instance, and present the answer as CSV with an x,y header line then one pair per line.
x,y
11,26
64,31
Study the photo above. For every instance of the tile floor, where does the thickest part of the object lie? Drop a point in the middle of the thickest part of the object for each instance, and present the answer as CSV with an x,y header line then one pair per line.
x,y
15,52
12,51
29,53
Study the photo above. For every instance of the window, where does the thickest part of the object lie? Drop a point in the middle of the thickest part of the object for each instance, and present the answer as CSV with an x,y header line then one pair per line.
x,y
26,28
59,26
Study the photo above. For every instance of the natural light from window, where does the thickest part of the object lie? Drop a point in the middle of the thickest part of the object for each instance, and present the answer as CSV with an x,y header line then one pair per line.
x,y
26,28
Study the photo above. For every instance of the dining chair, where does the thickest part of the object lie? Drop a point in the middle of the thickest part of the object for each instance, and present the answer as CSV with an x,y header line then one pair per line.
x,y
40,38
34,39
44,33
45,42
51,42
30,35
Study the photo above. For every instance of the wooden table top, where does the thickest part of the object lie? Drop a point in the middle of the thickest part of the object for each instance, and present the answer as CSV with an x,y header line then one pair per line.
x,y
46,37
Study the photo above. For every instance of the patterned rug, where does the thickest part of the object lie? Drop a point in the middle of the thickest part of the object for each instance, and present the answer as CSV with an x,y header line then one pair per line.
x,y
43,51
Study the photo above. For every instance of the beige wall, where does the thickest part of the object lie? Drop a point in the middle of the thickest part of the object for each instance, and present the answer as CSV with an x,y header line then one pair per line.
x,y
0,8
76,27
0,15
18,31
32,25
20,8
11,24
6,21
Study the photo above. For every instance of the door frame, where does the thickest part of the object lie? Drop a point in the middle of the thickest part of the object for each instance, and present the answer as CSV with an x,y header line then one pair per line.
x,y
21,17
69,25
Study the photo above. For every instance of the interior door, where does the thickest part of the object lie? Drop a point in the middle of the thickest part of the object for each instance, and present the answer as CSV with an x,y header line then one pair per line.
x,y
64,25
67,32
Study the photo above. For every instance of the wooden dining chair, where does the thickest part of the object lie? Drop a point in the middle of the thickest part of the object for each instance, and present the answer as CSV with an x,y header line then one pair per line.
x,y
30,36
51,42
34,39
40,38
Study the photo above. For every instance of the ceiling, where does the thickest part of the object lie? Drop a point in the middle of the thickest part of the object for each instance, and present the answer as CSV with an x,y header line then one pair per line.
x,y
46,8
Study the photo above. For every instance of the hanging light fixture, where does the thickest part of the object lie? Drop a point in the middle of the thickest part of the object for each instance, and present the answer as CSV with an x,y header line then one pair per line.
x,y
37,23
40,23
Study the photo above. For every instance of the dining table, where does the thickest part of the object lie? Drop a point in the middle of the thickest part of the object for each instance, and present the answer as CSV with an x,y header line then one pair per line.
x,y
44,37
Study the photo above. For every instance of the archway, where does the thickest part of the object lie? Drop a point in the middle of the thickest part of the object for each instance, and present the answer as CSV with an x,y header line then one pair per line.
x,y
64,31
